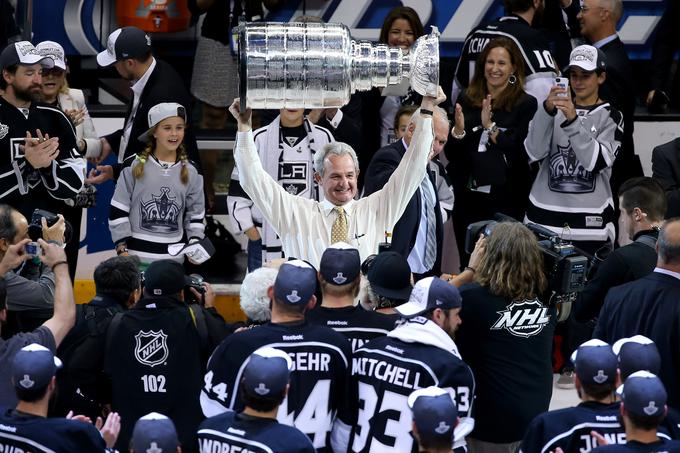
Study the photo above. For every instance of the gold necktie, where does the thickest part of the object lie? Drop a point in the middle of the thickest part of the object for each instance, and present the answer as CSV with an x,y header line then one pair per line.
x,y
339,229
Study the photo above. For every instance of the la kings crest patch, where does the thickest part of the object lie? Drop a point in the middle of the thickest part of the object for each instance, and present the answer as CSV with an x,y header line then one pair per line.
x,y
151,348
523,319
4,130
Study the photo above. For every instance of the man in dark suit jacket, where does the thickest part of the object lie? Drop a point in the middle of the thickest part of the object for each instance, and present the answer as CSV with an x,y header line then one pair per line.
x,y
155,81
650,306
598,19
666,170
410,232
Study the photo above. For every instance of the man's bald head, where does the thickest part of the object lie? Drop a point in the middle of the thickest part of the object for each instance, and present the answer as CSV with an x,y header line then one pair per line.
x,y
668,244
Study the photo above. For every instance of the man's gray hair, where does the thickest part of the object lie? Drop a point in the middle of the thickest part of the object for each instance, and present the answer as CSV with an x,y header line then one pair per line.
x,y
254,299
613,6
437,112
669,248
334,149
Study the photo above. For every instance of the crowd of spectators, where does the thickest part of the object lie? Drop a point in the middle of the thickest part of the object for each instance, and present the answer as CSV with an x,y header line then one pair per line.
x,y
355,338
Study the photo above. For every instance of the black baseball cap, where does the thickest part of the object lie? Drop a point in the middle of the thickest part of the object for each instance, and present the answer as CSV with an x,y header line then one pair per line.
x,y
390,276
34,366
643,394
267,372
165,278
155,432
635,354
434,413
340,264
126,42
23,52
295,283
595,362
428,294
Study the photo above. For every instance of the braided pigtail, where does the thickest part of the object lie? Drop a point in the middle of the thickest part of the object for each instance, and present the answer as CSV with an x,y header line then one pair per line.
x,y
138,170
184,174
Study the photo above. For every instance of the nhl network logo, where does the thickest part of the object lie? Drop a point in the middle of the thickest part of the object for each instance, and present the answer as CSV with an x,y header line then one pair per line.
x,y
151,348
523,319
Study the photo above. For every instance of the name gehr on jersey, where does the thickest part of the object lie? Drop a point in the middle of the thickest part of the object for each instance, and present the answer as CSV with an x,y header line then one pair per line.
x,y
310,361
366,366
523,319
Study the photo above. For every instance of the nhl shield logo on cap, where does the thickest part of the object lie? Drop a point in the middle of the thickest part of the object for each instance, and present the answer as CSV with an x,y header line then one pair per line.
x,y
151,348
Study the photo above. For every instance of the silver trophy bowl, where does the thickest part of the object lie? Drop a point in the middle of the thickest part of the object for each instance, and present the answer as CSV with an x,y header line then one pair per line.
x,y
311,65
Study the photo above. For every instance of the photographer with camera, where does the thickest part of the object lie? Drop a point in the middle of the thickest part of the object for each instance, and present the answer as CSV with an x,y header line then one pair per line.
x,y
506,337
30,287
643,205
157,350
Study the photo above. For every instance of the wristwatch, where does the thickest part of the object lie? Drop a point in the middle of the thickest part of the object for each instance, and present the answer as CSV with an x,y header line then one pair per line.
x,y
491,129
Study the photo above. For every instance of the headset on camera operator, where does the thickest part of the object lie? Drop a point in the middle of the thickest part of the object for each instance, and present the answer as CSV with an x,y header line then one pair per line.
x,y
30,288
643,206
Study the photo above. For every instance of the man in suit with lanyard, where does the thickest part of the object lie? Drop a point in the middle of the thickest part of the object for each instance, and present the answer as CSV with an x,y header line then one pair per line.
x,y
418,234
153,82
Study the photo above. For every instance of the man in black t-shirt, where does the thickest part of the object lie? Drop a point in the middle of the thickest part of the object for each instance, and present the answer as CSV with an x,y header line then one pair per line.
x,y
339,277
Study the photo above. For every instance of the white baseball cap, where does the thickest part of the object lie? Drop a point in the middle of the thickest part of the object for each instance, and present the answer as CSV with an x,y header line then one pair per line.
x,y
54,51
161,111
23,52
588,58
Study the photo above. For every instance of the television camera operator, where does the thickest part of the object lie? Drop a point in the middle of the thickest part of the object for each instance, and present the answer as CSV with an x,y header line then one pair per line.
x,y
506,336
30,287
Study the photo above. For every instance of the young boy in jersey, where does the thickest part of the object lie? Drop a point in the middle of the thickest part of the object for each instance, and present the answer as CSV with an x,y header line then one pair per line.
x,y
643,407
286,148
264,387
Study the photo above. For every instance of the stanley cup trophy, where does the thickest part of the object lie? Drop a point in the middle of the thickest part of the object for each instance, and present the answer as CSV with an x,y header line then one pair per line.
x,y
310,65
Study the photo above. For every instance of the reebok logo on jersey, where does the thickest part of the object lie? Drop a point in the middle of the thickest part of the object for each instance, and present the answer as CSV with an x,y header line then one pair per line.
x,y
151,348
442,428
651,409
11,429
292,337
4,130
523,319
339,279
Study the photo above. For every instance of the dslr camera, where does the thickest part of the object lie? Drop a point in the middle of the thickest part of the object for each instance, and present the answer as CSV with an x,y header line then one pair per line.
x,y
565,265
35,225
194,281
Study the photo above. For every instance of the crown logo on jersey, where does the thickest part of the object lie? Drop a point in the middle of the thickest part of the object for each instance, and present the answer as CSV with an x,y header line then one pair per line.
x,y
600,378
339,279
651,408
442,428
151,348
4,130
567,174
153,448
160,214
293,297
26,382
291,189
262,389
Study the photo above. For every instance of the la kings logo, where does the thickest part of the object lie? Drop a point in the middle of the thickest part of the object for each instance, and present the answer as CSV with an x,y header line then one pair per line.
x,y
523,319
151,348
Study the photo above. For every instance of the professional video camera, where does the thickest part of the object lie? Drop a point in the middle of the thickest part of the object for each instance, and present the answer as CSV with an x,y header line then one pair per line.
x,y
565,265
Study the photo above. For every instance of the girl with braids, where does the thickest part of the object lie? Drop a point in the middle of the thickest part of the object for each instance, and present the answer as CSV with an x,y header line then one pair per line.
x,y
159,195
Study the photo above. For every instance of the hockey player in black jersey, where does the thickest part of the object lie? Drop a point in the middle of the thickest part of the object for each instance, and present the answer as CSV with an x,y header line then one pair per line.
x,y
540,68
419,353
263,388
643,407
320,400
39,170
27,428
339,277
